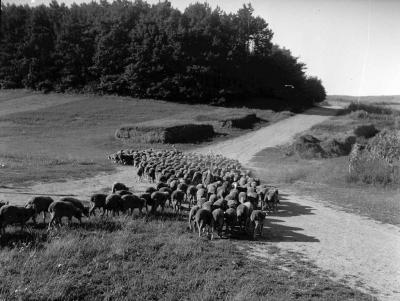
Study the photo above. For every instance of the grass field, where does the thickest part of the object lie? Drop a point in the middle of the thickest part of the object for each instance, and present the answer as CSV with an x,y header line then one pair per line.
x,y
327,179
72,138
125,259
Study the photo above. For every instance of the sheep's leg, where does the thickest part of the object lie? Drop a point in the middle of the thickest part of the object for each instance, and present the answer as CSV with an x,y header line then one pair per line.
x,y
51,220
199,226
255,229
92,211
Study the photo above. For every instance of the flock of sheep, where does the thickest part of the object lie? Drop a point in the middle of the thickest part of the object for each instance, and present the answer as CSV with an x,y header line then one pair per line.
x,y
215,190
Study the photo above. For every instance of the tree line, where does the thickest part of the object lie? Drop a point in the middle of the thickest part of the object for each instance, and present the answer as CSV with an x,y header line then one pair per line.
x,y
150,51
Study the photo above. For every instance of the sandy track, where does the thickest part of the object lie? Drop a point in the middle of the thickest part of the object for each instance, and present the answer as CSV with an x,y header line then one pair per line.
x,y
245,147
361,251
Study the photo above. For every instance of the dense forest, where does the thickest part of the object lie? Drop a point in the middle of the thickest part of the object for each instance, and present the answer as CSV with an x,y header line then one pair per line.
x,y
150,51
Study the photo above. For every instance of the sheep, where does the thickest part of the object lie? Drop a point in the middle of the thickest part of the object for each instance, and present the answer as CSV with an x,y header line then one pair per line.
x,y
3,203
192,215
39,204
201,201
159,198
177,197
204,219
242,197
230,219
243,215
221,203
118,186
152,175
183,187
140,172
77,203
197,178
150,190
201,193
250,206
161,185
233,204
123,192
257,218
10,214
113,203
60,209
130,202
218,221
191,193
169,191
208,206
271,199
99,201
147,198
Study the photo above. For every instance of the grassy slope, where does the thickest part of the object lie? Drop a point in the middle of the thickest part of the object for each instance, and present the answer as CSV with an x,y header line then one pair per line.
x,y
73,139
326,179
125,259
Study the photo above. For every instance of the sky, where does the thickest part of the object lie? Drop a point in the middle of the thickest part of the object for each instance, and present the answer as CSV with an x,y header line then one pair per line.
x,y
353,46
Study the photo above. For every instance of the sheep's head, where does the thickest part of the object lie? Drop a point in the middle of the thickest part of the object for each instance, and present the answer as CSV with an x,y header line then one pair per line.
x,y
86,211
29,212
3,203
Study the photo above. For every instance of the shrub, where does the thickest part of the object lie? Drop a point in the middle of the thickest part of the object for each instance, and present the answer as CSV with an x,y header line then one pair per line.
x,y
386,145
366,131
371,109
166,131
308,147
379,162
371,170
334,148
360,114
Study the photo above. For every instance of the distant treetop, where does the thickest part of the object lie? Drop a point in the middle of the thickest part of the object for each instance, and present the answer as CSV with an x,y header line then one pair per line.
x,y
151,51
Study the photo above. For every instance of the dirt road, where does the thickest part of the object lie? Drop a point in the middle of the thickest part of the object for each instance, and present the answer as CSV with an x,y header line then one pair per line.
x,y
358,250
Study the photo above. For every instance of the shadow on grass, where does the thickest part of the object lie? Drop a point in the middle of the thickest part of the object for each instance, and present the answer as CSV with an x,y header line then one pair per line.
x,y
322,111
25,238
105,225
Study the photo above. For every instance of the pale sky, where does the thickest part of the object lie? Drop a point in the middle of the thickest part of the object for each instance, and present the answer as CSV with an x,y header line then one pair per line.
x,y
353,46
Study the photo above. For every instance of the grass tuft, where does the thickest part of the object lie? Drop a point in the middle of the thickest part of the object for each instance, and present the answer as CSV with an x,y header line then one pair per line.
x,y
368,108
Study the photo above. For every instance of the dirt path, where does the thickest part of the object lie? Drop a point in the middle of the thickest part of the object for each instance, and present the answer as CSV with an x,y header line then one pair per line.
x,y
245,147
349,247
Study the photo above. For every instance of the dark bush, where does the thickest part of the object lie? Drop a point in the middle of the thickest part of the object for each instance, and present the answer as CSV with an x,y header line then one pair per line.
x,y
308,147
366,131
166,131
